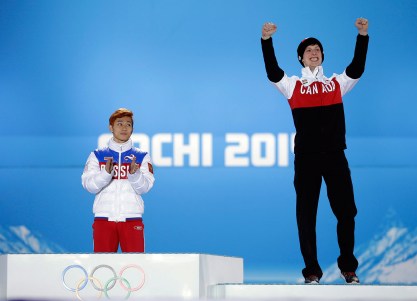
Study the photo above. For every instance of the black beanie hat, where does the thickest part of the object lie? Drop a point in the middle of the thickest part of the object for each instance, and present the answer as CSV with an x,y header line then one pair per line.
x,y
304,44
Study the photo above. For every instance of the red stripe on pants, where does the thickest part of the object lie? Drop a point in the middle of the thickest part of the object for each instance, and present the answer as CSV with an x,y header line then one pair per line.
x,y
108,235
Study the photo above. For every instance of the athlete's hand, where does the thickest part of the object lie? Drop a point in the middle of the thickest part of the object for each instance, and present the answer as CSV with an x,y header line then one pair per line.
x,y
268,30
133,166
362,26
109,164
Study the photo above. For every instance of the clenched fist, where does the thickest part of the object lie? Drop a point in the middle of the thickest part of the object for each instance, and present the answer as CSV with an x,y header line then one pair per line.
x,y
362,26
268,30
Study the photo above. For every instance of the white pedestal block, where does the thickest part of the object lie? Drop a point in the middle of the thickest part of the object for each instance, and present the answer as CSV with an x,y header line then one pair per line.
x,y
89,276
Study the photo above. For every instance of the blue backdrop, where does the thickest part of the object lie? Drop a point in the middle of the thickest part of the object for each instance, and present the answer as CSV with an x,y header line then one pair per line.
x,y
219,132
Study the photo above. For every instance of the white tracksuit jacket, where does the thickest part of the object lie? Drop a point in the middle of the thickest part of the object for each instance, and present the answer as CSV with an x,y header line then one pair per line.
x,y
118,195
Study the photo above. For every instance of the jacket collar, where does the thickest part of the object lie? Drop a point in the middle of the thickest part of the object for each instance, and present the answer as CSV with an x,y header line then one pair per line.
x,y
120,147
309,76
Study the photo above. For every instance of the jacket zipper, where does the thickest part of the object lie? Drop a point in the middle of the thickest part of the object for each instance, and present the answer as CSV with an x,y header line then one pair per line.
x,y
118,182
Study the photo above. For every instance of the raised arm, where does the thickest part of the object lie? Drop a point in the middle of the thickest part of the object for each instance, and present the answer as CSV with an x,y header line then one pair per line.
x,y
357,66
273,71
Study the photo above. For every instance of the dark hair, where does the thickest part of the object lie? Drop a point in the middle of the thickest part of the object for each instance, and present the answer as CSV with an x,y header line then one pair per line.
x,y
119,113
304,44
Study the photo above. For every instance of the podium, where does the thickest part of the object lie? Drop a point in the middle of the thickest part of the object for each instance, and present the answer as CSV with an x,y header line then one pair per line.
x,y
173,277
115,276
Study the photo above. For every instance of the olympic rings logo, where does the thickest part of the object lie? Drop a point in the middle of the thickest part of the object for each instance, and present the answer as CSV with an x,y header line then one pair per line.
x,y
98,285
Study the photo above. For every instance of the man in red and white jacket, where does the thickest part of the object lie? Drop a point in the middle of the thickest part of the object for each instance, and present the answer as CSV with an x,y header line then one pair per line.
x,y
118,175
317,108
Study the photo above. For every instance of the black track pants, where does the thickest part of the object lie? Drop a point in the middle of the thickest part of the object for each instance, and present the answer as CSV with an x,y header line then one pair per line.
x,y
310,169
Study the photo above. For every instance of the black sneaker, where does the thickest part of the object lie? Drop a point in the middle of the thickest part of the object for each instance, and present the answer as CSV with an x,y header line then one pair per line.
x,y
350,277
311,279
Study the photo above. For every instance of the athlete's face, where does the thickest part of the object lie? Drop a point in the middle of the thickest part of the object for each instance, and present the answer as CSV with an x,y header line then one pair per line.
x,y
312,57
122,129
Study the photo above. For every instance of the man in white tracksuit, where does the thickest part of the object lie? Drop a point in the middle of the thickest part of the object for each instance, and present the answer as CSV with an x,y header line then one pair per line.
x,y
118,175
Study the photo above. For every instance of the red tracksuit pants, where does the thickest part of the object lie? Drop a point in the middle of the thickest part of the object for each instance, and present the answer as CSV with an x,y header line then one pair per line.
x,y
107,236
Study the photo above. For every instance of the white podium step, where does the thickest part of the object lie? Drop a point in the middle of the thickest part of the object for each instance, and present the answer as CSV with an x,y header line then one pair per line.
x,y
302,292
115,276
